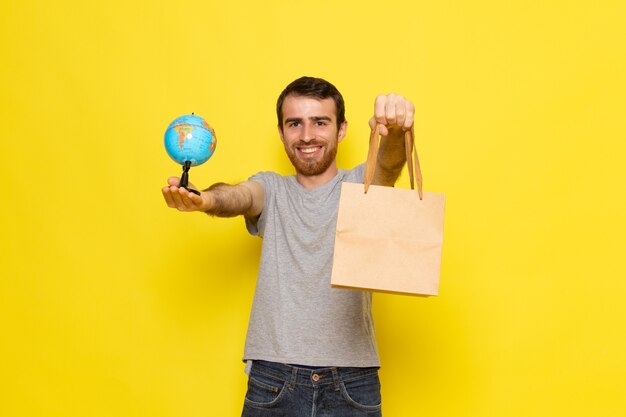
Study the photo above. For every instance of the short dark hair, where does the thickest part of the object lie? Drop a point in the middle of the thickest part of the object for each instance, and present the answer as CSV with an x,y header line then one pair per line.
x,y
312,87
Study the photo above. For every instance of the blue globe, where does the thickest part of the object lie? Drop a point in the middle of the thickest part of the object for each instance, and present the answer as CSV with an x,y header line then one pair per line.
x,y
190,138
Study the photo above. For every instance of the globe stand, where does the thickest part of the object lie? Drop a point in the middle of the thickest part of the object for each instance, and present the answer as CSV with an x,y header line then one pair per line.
x,y
184,179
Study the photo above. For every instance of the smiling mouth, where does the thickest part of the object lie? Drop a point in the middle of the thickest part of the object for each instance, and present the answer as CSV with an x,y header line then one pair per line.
x,y
309,151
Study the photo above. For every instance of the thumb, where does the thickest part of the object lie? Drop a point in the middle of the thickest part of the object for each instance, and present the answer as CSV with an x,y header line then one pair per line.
x,y
383,129
175,181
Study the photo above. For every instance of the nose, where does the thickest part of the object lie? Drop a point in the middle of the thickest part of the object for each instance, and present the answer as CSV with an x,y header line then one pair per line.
x,y
307,133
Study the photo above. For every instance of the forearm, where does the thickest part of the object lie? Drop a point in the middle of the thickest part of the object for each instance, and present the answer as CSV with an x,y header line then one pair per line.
x,y
391,158
226,200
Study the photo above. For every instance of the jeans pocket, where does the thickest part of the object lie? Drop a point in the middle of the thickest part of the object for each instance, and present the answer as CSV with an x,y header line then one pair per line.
x,y
363,393
264,392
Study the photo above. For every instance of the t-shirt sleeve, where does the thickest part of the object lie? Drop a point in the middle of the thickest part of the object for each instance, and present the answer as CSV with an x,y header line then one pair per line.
x,y
356,174
256,225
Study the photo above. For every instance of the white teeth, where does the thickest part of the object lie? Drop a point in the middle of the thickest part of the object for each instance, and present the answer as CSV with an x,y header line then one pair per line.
x,y
308,150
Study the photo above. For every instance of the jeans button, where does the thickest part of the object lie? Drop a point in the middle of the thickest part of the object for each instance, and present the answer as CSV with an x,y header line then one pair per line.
x,y
315,377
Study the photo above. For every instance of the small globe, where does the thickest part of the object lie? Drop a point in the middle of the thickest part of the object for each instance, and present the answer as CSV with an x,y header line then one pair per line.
x,y
190,138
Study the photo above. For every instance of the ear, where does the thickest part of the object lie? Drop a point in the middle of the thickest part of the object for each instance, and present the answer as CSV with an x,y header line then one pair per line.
x,y
342,131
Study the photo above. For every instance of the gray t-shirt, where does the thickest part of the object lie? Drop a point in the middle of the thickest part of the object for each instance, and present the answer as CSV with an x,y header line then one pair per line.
x,y
297,318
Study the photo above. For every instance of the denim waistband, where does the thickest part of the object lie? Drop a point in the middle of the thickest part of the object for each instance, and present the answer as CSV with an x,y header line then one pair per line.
x,y
295,375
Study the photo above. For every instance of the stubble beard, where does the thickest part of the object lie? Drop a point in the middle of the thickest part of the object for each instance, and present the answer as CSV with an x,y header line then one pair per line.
x,y
312,167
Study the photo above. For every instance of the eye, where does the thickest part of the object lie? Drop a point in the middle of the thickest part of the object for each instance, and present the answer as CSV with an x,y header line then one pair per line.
x,y
321,123
293,124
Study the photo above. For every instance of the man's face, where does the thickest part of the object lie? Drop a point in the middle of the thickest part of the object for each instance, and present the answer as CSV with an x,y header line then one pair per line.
x,y
309,133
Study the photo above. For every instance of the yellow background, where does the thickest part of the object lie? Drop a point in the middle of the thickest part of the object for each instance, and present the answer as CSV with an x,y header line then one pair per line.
x,y
113,305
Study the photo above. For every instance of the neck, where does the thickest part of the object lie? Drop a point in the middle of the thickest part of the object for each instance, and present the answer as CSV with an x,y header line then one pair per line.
x,y
311,182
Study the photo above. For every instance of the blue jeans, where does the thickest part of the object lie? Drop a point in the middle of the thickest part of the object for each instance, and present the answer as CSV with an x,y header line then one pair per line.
x,y
276,389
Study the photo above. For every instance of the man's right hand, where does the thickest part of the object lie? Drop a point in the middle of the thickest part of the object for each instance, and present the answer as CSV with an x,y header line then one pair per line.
x,y
183,200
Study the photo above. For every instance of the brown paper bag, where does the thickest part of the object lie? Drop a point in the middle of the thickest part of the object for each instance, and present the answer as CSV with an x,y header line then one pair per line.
x,y
388,239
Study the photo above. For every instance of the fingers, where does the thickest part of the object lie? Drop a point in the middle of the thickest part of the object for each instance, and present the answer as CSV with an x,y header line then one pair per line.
x,y
392,110
195,200
173,198
373,122
180,198
175,181
170,193
187,203
379,109
410,116
167,194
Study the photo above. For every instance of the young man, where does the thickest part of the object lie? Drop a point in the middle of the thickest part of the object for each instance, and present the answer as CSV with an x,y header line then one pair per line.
x,y
310,348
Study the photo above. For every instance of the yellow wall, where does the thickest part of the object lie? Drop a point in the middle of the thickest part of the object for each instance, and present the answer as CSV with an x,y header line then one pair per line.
x,y
113,305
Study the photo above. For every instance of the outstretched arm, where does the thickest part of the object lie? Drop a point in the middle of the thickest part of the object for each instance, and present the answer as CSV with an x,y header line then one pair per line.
x,y
395,113
222,200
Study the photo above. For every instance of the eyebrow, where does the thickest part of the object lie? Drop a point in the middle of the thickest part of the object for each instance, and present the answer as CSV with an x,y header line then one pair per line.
x,y
314,119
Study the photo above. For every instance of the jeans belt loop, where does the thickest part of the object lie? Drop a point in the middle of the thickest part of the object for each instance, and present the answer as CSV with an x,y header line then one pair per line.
x,y
335,378
294,377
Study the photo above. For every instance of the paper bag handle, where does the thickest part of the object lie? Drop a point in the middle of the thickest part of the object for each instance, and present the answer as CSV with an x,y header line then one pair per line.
x,y
412,160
